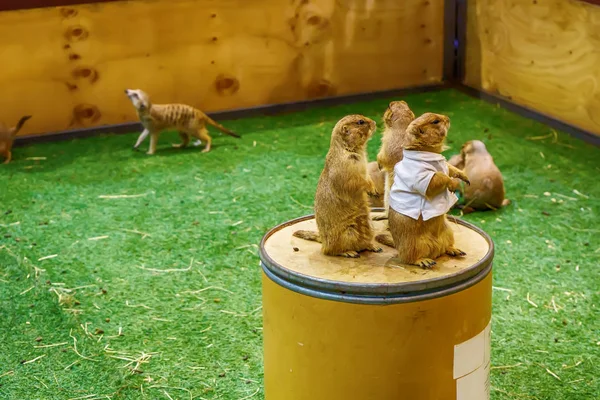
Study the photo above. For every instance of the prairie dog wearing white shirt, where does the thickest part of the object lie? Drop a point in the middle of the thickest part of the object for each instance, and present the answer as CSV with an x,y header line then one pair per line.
x,y
422,194
486,191
378,177
396,118
341,205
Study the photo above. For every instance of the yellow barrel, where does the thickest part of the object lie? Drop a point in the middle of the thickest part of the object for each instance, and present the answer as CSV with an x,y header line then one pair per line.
x,y
368,329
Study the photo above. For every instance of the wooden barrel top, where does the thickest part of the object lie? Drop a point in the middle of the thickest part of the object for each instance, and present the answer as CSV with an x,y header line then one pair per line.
x,y
302,261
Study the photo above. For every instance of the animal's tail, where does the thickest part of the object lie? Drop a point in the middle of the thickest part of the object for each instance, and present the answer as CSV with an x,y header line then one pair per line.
x,y
22,121
221,127
385,239
308,235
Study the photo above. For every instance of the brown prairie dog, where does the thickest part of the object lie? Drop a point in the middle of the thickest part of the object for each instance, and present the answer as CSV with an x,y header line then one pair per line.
x,y
396,118
7,138
341,201
422,194
486,191
155,118
378,178
457,161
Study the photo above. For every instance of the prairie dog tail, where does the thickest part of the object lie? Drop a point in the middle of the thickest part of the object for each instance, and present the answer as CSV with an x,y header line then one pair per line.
x,y
308,235
385,239
17,128
221,127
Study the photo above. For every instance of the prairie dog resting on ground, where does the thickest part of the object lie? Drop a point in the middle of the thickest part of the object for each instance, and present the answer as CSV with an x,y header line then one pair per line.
x,y
396,119
421,195
155,118
7,138
378,178
486,191
341,202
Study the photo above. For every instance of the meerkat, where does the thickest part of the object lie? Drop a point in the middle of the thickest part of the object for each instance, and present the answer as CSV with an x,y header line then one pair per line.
x,y
396,119
188,120
341,200
486,191
378,177
421,195
7,138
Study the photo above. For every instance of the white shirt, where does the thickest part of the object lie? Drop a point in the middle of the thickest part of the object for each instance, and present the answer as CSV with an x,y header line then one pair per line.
x,y
411,179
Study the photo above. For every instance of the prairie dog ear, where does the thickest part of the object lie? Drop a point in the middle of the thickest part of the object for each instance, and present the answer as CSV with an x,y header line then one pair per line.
x,y
414,129
345,129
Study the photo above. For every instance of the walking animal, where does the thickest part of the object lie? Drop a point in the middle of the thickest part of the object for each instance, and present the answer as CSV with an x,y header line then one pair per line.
x,y
7,138
422,194
486,191
156,118
341,203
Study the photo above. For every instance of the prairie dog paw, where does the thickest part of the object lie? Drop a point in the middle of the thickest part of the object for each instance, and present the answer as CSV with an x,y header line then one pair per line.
x,y
453,185
350,254
374,249
425,262
454,252
463,177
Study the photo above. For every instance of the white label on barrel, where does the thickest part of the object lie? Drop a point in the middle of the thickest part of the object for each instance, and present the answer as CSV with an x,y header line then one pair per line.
x,y
472,367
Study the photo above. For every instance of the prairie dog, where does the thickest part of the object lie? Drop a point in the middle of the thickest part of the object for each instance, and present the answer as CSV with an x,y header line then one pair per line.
x,y
486,191
7,138
457,161
155,118
378,178
396,119
422,194
341,203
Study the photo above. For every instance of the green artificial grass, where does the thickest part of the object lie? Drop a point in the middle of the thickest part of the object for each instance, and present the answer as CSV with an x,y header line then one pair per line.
x,y
161,290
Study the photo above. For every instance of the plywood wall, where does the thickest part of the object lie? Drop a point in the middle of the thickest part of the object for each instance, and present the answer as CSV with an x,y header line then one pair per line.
x,y
543,54
69,66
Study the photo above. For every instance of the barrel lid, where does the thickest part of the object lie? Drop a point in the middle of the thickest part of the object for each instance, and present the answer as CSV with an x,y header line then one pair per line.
x,y
297,262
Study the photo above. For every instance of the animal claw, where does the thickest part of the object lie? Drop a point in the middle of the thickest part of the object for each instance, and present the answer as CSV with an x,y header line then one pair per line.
x,y
426,263
454,252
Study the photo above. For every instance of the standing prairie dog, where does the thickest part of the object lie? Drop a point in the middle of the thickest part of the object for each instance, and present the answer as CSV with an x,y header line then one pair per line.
x,y
396,119
378,177
155,118
422,195
7,138
486,191
341,203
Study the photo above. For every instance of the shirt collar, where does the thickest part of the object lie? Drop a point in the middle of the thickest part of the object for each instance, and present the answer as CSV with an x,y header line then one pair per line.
x,y
422,155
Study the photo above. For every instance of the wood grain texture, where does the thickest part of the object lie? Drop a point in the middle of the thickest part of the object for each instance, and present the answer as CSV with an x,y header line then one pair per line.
x,y
69,66
542,54
27,4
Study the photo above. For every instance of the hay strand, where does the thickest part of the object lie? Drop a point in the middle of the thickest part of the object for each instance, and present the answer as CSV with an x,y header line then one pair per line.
x,y
35,359
121,196
531,302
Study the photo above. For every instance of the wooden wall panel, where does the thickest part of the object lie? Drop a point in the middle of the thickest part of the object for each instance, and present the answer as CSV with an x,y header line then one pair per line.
x,y
27,4
69,66
543,54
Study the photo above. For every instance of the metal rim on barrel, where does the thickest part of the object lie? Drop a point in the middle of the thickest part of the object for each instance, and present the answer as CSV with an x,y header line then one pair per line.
x,y
369,293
